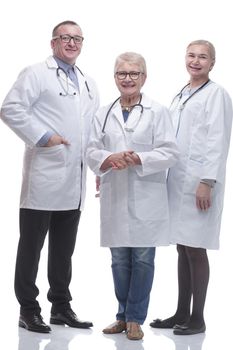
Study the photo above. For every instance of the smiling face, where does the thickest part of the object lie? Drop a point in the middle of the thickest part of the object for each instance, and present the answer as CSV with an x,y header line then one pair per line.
x,y
129,87
199,62
67,52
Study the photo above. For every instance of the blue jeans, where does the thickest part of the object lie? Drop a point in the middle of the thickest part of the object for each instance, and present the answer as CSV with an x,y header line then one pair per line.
x,y
133,273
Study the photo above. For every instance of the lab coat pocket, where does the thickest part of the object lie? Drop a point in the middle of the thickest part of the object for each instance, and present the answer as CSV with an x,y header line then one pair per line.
x,y
151,202
49,163
105,200
194,170
113,141
142,141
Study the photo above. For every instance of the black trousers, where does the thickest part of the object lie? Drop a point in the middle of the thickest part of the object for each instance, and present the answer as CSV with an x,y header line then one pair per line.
x,y
61,227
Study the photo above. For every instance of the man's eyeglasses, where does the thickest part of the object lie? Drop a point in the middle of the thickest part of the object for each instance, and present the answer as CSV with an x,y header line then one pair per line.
x,y
132,75
65,38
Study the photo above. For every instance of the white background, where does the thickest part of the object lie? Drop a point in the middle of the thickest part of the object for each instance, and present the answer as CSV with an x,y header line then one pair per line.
x,y
160,31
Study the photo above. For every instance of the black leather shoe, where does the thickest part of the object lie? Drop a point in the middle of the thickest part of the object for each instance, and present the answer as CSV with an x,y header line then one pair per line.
x,y
185,330
33,323
69,318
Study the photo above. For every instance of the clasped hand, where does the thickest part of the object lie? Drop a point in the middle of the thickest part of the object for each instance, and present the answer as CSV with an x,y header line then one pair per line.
x,y
121,160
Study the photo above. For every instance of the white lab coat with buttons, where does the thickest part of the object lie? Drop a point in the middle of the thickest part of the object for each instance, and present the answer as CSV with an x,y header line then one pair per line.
x,y
53,177
203,130
133,201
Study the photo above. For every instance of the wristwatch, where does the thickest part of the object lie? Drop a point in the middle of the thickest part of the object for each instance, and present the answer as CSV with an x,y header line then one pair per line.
x,y
209,182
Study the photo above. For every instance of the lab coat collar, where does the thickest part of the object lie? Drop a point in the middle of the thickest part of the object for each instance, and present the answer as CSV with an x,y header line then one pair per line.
x,y
146,102
52,64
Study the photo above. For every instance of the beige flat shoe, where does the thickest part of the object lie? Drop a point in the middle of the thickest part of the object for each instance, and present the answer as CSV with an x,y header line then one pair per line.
x,y
134,331
116,327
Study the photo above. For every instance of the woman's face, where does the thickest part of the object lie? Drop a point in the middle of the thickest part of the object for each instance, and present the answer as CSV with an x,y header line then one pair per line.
x,y
129,85
198,61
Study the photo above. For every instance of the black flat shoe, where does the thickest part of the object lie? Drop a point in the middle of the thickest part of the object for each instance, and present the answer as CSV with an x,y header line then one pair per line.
x,y
69,318
33,323
167,323
180,326
185,330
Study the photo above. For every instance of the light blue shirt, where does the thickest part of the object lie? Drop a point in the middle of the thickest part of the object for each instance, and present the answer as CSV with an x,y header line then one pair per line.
x,y
69,69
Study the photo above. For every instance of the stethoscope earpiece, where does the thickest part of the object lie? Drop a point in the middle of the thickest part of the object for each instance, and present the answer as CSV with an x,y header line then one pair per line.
x,y
61,94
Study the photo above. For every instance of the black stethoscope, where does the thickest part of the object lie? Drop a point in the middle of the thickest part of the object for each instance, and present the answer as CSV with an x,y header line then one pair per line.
x,y
66,88
181,107
132,107
181,93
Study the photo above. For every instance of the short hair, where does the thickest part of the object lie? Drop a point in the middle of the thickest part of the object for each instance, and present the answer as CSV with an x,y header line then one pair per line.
x,y
131,57
207,43
54,32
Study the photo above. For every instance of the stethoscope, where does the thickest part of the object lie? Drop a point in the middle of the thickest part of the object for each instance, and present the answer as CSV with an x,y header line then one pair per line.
x,y
66,87
182,105
181,93
132,107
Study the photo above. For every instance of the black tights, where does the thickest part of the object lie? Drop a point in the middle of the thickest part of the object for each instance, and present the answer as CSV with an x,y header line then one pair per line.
x,y
193,278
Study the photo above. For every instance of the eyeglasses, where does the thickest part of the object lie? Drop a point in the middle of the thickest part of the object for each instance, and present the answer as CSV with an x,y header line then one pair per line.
x,y
132,75
65,38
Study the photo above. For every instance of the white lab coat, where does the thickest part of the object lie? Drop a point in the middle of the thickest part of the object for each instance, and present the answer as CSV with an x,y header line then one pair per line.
x,y
133,201
203,134
53,178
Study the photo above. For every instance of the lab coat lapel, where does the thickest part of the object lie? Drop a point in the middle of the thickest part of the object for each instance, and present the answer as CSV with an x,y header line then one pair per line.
x,y
117,114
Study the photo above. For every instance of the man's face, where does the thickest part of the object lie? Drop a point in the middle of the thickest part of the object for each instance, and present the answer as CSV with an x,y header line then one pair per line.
x,y
67,51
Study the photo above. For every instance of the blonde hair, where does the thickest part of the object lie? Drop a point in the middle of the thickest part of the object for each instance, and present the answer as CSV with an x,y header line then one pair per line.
x,y
207,43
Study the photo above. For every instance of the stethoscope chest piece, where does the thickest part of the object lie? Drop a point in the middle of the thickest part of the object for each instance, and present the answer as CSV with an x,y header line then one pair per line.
x,y
128,129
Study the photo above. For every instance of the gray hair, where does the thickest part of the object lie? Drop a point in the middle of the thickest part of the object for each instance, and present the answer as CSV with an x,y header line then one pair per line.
x,y
207,43
131,57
